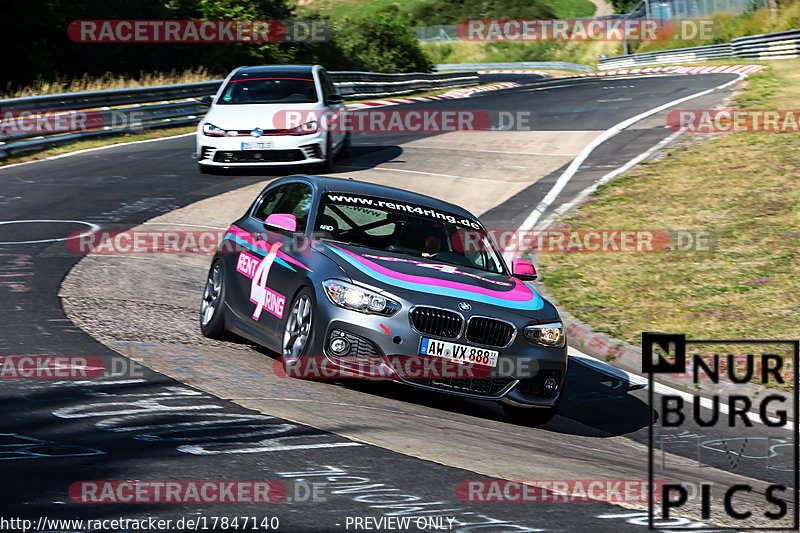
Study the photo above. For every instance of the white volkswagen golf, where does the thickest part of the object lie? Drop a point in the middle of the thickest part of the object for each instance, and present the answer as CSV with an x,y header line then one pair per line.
x,y
269,115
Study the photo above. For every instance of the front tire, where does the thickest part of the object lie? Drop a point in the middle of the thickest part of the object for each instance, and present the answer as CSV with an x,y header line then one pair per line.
x,y
212,309
327,165
298,330
344,150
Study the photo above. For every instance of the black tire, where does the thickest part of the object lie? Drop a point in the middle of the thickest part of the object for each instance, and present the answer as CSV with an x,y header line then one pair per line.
x,y
344,150
205,169
213,326
327,165
290,350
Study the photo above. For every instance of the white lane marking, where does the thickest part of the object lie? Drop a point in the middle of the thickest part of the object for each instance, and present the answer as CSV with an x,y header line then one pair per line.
x,y
429,174
92,227
87,150
573,167
566,207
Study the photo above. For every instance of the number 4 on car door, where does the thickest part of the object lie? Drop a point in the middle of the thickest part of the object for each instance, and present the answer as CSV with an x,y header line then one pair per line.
x,y
260,295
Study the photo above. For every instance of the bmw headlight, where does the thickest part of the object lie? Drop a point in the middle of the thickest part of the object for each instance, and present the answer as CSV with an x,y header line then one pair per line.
x,y
359,299
551,335
213,131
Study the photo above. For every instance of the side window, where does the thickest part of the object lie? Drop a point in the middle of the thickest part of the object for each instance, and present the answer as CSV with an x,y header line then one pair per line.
x,y
296,201
327,85
270,201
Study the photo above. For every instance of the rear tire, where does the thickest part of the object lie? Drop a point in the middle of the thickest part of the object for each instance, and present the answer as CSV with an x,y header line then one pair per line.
x,y
212,309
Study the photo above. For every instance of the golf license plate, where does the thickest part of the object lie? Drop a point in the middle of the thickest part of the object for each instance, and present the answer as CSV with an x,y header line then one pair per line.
x,y
260,145
460,353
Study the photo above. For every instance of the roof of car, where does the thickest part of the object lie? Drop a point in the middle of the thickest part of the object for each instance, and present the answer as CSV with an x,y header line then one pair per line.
x,y
283,70
351,186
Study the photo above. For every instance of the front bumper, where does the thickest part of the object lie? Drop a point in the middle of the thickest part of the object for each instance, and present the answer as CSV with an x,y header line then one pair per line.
x,y
392,344
284,150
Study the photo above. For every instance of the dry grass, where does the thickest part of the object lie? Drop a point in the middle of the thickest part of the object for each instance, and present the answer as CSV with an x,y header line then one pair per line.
x,y
743,187
109,81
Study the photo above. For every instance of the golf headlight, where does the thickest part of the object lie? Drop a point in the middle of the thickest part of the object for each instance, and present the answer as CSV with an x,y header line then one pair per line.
x,y
305,129
213,131
356,298
546,334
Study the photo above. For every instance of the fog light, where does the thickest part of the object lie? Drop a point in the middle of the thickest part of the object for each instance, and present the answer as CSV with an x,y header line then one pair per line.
x,y
550,385
339,346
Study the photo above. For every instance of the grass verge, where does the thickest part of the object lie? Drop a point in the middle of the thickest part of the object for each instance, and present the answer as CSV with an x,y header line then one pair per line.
x,y
108,81
742,187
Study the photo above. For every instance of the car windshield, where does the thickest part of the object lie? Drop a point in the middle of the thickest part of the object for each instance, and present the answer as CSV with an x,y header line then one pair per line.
x,y
269,91
400,227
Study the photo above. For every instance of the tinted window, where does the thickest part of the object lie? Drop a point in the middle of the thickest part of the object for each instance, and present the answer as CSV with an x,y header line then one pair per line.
x,y
327,85
292,198
270,201
272,90
296,201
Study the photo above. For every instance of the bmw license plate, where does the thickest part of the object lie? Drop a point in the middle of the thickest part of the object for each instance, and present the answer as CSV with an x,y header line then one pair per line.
x,y
460,353
261,145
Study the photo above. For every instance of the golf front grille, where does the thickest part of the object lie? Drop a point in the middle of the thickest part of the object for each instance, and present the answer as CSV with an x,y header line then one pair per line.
x,y
258,156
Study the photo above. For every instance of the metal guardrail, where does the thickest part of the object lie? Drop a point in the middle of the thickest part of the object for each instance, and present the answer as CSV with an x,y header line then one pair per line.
x,y
779,45
117,111
553,65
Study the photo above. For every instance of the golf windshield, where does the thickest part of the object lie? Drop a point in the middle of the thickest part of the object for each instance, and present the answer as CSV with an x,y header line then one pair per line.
x,y
269,91
399,227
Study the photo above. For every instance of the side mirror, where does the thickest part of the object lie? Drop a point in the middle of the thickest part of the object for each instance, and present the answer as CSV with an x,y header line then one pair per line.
x,y
206,101
523,270
334,99
282,221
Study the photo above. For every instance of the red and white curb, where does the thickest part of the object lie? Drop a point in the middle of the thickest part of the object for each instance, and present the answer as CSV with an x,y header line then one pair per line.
x,y
449,95
744,70
516,71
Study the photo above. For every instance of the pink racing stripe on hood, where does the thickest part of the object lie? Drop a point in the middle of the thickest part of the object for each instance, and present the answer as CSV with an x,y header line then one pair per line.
x,y
520,292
